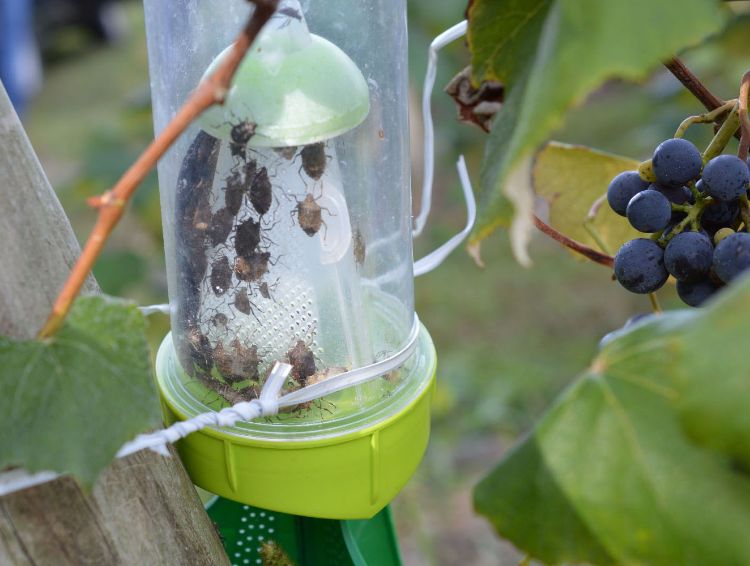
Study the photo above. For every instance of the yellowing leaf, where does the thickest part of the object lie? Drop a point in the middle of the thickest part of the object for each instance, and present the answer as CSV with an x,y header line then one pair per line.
x,y
570,178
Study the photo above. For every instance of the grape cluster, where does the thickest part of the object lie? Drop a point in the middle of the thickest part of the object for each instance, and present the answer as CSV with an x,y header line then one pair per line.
x,y
692,212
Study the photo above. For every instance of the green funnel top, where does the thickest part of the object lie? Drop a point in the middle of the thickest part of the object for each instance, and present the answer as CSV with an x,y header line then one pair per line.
x,y
299,88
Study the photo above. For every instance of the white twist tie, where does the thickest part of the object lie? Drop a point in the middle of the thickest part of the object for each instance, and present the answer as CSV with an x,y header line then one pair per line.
x,y
266,405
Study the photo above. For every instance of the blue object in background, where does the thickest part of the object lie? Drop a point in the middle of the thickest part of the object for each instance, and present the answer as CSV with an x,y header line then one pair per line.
x,y
20,64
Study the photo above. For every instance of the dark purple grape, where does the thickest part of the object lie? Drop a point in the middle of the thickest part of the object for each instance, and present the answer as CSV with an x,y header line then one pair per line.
x,y
726,177
688,256
675,195
649,211
694,293
639,266
720,213
732,256
676,162
623,188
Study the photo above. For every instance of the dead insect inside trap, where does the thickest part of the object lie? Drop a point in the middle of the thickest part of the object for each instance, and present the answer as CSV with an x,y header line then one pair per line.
x,y
252,266
221,276
309,215
260,192
314,160
247,359
233,193
220,226
358,247
247,237
302,361
242,301
239,136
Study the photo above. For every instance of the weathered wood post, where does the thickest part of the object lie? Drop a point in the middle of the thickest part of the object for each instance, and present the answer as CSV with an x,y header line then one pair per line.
x,y
143,510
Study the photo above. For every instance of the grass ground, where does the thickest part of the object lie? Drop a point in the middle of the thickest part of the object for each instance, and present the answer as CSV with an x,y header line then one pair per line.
x,y
508,339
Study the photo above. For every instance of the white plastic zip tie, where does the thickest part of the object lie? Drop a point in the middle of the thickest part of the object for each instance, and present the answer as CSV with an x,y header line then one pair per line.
x,y
436,257
448,36
153,309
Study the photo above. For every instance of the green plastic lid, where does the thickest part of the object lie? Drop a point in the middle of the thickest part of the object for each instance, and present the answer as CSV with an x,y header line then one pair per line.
x,y
299,88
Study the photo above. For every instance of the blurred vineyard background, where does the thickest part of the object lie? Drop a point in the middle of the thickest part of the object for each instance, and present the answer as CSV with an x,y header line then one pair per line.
x,y
508,339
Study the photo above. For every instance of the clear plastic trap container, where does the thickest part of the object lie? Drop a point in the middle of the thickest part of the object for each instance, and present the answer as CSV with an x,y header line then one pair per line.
x,y
287,211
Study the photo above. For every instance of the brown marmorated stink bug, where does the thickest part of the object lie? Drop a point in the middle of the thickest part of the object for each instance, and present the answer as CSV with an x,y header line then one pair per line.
x,y
225,364
302,361
233,192
309,215
247,237
251,267
314,160
265,289
246,359
221,276
220,226
242,301
359,248
260,192
200,349
239,136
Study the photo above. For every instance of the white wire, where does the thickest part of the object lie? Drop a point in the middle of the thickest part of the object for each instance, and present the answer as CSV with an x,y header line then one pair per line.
x,y
437,44
18,479
356,376
436,257
267,404
153,309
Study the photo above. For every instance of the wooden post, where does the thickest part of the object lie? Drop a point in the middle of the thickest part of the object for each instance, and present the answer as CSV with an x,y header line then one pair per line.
x,y
143,510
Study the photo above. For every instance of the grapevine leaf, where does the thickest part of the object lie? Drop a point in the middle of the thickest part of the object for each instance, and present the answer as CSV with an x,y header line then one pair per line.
x,y
645,458
70,402
549,54
570,179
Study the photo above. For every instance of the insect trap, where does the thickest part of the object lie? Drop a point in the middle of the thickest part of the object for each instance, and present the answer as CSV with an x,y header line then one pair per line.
x,y
287,227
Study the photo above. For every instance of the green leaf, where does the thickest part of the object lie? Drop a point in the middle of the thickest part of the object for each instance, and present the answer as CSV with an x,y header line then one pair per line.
x,y
644,459
570,179
550,54
69,402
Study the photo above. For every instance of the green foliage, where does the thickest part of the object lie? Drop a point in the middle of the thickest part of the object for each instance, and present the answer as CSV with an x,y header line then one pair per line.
x,y
71,401
645,458
550,54
570,179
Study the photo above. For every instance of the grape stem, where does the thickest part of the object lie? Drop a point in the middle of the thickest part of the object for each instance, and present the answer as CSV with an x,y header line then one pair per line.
x,y
708,117
655,306
111,204
744,120
721,139
694,85
588,224
692,219
583,249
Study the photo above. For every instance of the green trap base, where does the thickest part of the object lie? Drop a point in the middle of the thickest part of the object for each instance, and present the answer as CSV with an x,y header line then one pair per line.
x,y
347,469
306,541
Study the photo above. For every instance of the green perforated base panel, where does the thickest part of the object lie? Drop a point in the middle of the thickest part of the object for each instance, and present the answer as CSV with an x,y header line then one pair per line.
x,y
305,541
